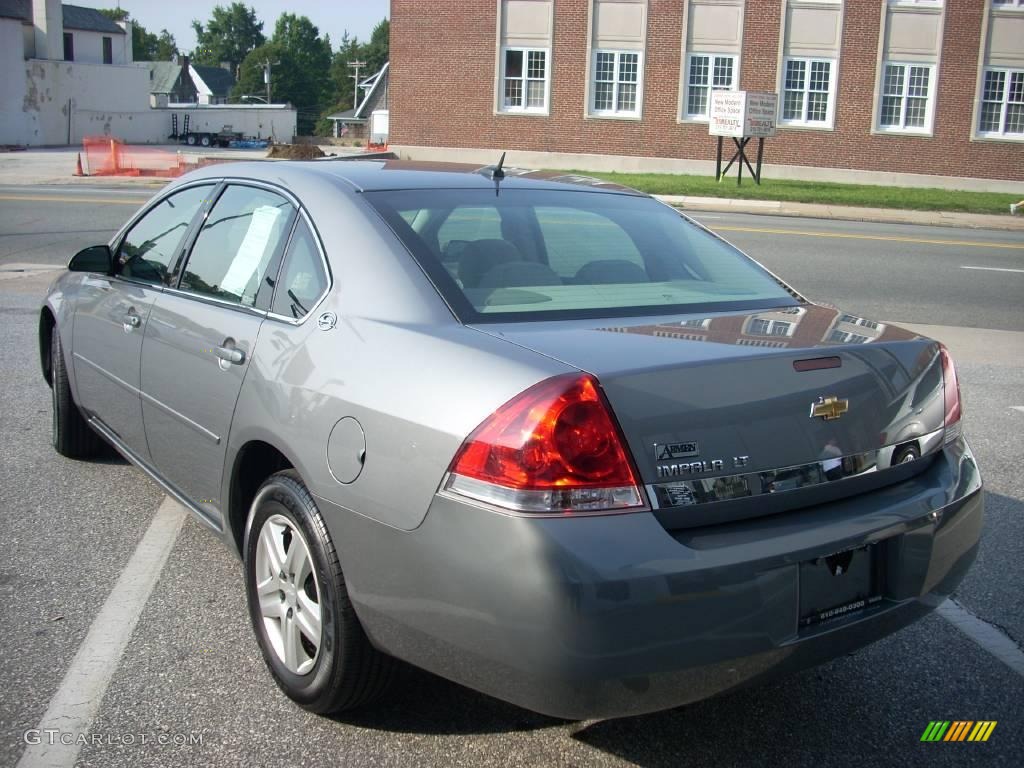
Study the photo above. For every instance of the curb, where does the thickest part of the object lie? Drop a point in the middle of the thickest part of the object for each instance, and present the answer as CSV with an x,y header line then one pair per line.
x,y
845,212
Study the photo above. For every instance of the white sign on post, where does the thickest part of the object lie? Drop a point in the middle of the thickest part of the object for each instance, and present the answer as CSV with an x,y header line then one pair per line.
x,y
743,113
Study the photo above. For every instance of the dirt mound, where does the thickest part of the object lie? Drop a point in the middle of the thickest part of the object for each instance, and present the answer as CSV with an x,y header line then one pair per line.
x,y
295,152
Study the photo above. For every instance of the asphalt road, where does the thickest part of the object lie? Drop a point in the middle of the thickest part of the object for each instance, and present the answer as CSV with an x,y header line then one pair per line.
x,y
192,666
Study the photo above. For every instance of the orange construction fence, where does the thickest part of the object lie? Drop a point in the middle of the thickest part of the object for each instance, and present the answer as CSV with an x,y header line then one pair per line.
x,y
107,156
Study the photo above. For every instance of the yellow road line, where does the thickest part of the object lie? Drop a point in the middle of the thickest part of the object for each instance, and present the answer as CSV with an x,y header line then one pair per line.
x,y
890,238
57,199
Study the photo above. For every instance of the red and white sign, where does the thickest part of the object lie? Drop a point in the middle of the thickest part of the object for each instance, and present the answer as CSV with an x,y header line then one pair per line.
x,y
743,113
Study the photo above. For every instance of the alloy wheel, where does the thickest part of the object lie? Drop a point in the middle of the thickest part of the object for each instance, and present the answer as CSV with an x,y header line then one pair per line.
x,y
289,595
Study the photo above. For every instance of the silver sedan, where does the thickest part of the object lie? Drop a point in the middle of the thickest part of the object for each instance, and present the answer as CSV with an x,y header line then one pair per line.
x,y
541,435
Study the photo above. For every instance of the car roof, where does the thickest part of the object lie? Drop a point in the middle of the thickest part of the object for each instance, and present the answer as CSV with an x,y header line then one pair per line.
x,y
390,174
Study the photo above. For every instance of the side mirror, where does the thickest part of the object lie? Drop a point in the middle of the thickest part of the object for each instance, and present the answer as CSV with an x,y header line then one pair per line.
x,y
96,258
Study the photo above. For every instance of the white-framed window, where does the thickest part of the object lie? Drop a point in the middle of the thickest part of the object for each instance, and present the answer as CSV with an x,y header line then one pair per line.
x,y
808,92
907,101
525,79
1002,103
1010,5
617,83
917,3
760,326
707,72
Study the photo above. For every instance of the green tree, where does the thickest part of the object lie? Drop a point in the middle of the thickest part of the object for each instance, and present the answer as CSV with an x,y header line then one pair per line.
x,y
300,60
231,33
375,52
145,45
312,56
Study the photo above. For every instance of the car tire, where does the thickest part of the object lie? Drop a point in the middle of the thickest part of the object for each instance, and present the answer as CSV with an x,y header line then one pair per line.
x,y
342,670
70,435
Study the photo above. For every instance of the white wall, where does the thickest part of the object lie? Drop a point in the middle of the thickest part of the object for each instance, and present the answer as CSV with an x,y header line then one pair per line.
x,y
89,47
13,123
49,102
90,98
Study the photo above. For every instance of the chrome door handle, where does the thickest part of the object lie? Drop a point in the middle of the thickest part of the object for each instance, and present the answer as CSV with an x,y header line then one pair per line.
x,y
230,355
131,320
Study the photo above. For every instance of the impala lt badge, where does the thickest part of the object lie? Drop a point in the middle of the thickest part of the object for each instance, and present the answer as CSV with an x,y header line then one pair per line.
x,y
829,408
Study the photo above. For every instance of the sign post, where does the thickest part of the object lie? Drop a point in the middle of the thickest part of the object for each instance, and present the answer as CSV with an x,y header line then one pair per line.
x,y
742,116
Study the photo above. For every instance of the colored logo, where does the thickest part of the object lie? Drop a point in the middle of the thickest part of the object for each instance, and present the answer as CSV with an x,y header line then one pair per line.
x,y
958,730
829,408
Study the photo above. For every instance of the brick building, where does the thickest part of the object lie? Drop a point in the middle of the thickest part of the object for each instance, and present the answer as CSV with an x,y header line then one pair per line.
x,y
875,91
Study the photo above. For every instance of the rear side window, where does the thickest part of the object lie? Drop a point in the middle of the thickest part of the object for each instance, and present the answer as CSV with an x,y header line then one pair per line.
x,y
537,254
303,280
233,252
149,249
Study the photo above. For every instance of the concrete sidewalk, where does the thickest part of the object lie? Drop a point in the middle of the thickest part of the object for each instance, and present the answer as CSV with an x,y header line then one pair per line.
x,y
845,212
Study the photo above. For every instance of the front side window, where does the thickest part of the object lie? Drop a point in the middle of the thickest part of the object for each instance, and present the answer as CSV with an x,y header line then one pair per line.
x,y
303,280
241,235
616,84
807,92
150,247
1002,103
552,254
907,93
706,73
524,80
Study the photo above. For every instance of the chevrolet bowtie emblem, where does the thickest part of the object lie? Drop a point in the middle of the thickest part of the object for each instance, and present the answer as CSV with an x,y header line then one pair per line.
x,y
829,408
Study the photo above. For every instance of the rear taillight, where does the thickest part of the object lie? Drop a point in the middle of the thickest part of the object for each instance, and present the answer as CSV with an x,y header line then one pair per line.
x,y
951,394
554,448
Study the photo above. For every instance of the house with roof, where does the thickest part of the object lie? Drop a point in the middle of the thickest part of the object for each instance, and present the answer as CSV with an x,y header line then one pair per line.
x,y
83,34
68,73
355,123
181,82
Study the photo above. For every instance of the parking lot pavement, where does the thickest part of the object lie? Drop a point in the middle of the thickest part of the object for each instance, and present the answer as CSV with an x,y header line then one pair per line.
x,y
191,669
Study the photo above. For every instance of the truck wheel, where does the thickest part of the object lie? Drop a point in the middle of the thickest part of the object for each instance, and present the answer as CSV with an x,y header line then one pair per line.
x,y
190,140
205,141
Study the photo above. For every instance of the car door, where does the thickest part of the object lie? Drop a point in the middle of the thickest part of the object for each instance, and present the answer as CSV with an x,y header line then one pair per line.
x,y
201,334
112,310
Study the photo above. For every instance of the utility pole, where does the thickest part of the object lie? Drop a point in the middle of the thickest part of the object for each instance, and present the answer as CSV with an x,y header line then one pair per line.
x,y
356,65
267,66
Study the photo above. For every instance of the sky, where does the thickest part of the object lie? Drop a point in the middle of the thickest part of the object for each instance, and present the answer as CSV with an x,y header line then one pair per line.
x,y
332,17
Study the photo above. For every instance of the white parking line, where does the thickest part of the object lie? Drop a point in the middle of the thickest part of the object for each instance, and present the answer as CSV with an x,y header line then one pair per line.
x,y
73,708
993,269
987,636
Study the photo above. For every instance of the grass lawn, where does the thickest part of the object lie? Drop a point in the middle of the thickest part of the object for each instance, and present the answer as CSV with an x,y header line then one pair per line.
x,y
914,198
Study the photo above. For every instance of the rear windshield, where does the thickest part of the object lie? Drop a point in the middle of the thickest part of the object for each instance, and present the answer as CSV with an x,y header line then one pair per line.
x,y
536,255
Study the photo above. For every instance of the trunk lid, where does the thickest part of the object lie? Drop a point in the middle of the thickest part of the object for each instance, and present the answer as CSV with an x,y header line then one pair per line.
x,y
781,398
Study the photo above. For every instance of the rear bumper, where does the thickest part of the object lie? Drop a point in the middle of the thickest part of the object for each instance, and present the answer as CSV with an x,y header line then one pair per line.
x,y
613,616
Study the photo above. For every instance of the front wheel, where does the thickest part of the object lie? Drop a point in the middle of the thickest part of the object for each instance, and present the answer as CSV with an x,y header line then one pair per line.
x,y
70,435
305,624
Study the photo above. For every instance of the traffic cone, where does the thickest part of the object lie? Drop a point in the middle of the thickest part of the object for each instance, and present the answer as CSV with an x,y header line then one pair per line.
x,y
78,166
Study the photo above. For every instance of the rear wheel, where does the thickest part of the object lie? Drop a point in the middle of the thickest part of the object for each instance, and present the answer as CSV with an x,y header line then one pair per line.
x,y
205,140
306,626
70,435
191,139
